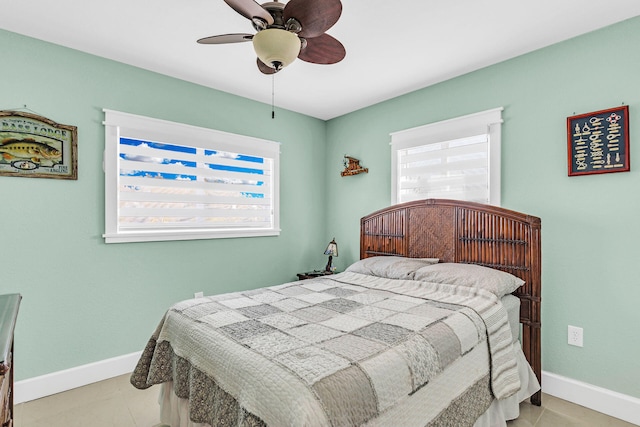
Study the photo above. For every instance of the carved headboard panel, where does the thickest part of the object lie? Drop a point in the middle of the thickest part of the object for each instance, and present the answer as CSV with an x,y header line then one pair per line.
x,y
472,233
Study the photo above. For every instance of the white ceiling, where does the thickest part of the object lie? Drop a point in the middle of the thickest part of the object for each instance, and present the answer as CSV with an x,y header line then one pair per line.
x,y
393,47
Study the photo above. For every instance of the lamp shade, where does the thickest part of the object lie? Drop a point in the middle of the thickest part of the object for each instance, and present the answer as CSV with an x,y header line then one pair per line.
x,y
332,248
276,48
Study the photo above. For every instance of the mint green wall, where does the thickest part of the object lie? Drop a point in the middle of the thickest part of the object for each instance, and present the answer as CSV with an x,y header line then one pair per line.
x,y
590,230
86,301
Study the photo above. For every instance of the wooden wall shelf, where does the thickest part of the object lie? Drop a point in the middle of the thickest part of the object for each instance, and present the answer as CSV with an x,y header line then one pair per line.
x,y
352,167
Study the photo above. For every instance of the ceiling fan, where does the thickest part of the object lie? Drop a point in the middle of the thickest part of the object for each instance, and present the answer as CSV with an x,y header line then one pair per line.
x,y
288,31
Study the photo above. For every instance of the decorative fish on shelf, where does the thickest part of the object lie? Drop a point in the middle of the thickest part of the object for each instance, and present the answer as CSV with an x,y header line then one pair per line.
x,y
352,167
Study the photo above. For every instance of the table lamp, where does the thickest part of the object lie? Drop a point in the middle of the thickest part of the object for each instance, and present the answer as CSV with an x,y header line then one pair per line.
x,y
332,250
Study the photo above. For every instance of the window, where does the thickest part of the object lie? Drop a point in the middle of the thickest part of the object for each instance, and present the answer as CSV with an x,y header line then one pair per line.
x,y
453,159
170,181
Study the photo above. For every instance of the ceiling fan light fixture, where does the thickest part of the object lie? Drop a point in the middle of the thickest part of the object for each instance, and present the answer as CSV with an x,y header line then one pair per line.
x,y
276,48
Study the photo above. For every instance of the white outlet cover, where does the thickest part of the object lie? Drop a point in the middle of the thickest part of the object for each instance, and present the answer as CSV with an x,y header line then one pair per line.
x,y
575,336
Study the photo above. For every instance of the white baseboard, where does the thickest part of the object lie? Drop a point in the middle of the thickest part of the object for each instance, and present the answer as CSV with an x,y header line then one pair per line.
x,y
56,382
599,399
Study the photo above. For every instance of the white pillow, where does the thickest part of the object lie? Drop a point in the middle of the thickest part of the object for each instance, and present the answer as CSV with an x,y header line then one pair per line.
x,y
390,267
498,282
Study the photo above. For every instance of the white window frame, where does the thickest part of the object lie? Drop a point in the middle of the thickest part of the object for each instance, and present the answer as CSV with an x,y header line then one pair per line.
x,y
485,122
124,125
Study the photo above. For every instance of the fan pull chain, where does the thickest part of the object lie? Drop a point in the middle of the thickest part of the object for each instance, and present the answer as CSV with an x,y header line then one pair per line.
x,y
273,91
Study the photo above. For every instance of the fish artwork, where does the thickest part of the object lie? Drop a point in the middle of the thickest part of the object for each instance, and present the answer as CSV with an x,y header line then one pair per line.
x,y
29,149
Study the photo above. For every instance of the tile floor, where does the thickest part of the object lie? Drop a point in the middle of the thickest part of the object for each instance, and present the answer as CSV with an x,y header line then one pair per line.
x,y
115,403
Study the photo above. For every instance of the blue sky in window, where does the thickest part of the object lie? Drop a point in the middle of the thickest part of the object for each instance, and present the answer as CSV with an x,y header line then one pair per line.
x,y
172,150
242,157
157,145
191,150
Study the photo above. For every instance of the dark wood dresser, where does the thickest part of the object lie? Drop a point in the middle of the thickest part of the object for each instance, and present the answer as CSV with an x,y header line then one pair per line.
x,y
8,313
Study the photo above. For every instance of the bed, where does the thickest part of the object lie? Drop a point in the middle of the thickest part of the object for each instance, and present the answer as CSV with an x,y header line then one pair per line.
x,y
417,332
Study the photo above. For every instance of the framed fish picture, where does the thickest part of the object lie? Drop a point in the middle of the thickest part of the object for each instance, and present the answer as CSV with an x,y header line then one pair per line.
x,y
32,146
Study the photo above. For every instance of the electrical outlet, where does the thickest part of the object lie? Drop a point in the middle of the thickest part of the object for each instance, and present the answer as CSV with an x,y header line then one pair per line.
x,y
575,336
198,295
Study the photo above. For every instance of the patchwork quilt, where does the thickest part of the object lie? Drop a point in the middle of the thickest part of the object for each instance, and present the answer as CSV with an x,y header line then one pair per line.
x,y
341,350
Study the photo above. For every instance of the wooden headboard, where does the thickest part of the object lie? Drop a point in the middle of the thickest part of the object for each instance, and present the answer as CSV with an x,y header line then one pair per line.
x,y
472,233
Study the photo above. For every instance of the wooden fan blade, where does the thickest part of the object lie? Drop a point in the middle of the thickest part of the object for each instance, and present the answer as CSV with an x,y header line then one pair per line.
x,y
323,50
226,38
315,16
264,68
250,9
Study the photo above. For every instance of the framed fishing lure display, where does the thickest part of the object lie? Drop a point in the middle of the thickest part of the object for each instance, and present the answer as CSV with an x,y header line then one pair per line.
x,y
36,147
598,142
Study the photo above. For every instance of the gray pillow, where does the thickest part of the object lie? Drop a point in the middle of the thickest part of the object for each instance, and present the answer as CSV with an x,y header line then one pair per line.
x,y
390,267
498,282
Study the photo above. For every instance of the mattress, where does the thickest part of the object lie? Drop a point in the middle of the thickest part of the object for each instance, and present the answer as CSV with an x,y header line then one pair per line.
x,y
512,305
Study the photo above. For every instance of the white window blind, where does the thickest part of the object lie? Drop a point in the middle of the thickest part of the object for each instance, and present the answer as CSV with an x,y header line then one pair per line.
x,y
170,181
454,159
